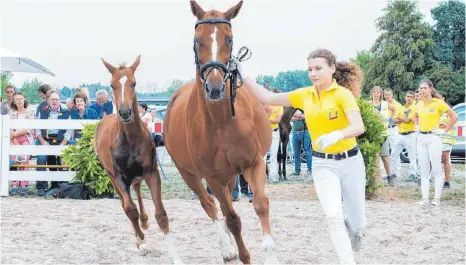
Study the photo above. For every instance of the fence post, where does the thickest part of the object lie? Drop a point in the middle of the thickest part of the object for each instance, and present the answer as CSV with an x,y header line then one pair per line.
x,y
5,158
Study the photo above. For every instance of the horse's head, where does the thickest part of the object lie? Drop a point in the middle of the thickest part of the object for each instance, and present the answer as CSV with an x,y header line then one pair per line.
x,y
213,46
123,84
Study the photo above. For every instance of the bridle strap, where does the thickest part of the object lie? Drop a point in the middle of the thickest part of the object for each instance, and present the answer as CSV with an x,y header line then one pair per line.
x,y
212,21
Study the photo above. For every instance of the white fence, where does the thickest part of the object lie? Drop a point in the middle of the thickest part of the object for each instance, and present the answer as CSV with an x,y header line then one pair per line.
x,y
6,175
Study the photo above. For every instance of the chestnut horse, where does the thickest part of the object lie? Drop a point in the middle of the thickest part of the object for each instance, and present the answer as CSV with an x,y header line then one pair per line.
x,y
213,133
127,152
284,127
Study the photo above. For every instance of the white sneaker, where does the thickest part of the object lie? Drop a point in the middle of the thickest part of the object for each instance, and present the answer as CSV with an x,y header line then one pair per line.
x,y
435,203
422,202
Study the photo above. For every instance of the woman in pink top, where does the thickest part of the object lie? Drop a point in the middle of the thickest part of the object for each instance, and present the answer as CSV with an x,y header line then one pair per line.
x,y
20,110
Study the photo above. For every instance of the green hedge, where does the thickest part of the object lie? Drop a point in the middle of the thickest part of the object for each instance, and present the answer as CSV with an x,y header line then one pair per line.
x,y
370,144
83,159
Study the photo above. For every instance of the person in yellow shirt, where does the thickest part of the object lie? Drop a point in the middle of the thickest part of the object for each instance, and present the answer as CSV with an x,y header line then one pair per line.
x,y
448,141
274,118
429,144
386,111
393,130
406,129
334,121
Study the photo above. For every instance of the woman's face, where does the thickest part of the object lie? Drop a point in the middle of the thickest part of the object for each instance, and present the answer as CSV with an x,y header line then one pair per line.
x,y
425,90
376,94
319,71
152,112
80,104
19,101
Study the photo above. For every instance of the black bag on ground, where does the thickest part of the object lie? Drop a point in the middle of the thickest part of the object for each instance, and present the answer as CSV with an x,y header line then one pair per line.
x,y
76,191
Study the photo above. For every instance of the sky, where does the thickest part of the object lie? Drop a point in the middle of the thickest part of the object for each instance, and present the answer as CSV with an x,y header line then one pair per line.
x,y
70,37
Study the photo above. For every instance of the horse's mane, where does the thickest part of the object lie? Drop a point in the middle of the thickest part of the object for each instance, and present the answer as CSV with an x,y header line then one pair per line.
x,y
122,66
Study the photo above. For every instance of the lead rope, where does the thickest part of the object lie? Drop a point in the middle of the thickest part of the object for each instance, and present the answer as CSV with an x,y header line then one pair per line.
x,y
243,54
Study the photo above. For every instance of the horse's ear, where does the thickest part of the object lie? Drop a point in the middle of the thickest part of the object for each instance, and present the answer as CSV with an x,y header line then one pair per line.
x,y
233,12
135,64
197,10
110,67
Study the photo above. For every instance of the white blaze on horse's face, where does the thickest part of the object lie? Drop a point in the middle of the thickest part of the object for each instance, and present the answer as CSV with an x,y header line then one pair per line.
x,y
123,81
214,46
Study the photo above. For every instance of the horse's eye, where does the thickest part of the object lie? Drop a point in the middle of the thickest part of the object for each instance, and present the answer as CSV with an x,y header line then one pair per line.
x,y
228,40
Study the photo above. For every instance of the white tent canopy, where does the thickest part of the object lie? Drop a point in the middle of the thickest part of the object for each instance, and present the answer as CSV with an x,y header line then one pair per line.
x,y
13,62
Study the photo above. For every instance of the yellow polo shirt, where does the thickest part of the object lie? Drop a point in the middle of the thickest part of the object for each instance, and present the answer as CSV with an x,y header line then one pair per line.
x,y
326,113
429,114
406,112
396,104
276,111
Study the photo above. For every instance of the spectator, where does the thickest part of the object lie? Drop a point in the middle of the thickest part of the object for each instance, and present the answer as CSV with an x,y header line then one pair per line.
x,y
145,116
43,94
69,104
6,105
274,118
448,142
81,112
153,114
52,136
301,139
102,107
20,110
393,131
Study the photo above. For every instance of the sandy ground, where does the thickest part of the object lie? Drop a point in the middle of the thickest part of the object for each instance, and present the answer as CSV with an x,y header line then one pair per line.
x,y
97,231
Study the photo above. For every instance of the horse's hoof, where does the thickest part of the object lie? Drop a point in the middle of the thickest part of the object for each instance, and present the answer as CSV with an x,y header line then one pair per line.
x,y
271,259
142,249
145,225
230,259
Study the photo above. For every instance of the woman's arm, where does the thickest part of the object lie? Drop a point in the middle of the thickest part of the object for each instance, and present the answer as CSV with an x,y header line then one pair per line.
x,y
356,125
453,118
265,96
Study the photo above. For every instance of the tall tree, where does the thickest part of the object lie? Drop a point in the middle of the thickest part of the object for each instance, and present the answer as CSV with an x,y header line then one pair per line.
x,y
5,81
404,49
286,81
449,33
363,59
29,89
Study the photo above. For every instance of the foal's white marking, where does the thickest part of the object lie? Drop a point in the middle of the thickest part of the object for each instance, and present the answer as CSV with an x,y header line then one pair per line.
x,y
269,246
142,246
123,81
172,249
224,241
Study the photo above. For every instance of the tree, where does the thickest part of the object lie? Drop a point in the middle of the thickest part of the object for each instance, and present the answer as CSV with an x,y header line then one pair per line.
x,y
403,51
286,81
448,81
363,59
29,89
175,85
5,80
449,33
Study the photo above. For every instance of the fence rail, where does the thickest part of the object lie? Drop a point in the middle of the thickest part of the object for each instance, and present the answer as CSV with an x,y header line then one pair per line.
x,y
6,125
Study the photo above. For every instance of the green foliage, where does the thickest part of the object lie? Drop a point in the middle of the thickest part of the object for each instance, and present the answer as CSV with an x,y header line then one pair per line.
x,y
448,81
83,159
370,144
286,81
449,33
363,59
5,80
29,89
404,49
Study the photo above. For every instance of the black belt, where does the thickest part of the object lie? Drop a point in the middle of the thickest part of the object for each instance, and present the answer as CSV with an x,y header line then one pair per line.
x,y
392,126
274,130
407,133
429,132
352,152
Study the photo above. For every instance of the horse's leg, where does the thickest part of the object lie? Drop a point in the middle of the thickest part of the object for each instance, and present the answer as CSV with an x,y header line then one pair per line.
x,y
279,156
143,214
207,202
130,210
233,222
284,157
155,186
255,177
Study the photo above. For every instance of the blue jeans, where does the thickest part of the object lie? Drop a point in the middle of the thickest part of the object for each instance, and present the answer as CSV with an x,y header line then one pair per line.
x,y
297,143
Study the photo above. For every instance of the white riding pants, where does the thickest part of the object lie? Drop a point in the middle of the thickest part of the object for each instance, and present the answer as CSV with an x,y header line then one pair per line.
x,y
273,166
392,138
333,180
429,147
407,142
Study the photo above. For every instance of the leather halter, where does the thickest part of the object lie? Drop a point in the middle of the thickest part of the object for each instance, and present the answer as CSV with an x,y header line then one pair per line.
x,y
226,69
